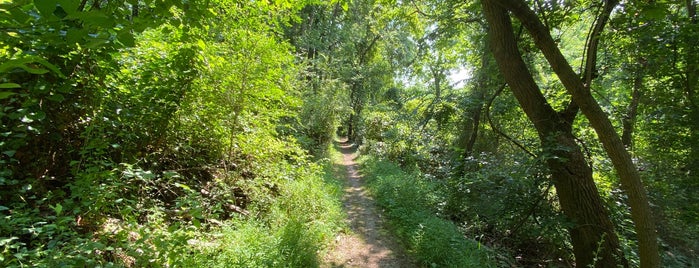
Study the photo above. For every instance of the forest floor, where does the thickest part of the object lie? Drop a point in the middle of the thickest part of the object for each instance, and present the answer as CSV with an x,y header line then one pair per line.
x,y
367,243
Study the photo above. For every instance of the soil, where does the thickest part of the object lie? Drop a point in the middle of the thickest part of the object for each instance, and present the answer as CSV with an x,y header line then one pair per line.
x,y
367,243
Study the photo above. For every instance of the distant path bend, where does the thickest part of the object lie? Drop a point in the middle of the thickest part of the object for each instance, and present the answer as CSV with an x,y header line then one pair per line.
x,y
369,244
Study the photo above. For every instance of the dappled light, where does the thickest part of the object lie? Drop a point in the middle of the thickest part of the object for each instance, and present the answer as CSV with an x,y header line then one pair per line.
x,y
349,133
367,244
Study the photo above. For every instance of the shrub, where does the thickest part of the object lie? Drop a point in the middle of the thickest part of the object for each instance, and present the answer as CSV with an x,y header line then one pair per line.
x,y
408,200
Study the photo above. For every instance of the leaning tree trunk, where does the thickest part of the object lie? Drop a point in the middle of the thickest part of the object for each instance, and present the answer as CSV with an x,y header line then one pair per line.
x,y
621,159
592,235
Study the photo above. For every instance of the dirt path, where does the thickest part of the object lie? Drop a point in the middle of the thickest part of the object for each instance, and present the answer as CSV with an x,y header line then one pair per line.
x,y
368,244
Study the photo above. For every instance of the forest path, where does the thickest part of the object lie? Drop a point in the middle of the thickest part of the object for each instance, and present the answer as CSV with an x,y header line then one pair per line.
x,y
368,244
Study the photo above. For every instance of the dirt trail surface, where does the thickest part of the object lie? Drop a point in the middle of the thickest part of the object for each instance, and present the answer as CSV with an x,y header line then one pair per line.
x,y
368,244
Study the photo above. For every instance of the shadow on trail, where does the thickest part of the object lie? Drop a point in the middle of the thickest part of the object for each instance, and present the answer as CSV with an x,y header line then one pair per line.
x,y
368,245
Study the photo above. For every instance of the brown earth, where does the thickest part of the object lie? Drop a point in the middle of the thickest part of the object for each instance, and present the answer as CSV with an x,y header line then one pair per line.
x,y
368,243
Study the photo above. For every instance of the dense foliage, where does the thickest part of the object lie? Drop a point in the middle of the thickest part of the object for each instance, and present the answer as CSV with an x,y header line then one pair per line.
x,y
495,170
185,133
140,133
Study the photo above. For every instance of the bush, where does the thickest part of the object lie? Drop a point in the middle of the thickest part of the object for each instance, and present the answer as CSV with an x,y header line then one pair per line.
x,y
299,223
509,205
408,200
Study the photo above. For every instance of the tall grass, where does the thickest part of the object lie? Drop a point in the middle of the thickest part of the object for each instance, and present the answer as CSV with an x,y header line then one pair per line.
x,y
408,199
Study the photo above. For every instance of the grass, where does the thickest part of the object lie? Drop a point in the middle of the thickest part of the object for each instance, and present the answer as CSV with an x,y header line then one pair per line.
x,y
407,200
294,232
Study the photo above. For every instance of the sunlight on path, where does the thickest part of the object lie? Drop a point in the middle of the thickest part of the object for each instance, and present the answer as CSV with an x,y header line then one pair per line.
x,y
368,244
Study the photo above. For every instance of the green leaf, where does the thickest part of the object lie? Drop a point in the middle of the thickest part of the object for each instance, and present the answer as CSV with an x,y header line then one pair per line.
x,y
60,12
6,241
10,85
58,209
26,119
9,153
654,12
184,187
10,64
171,174
75,35
70,6
201,44
96,43
22,61
6,94
47,64
56,97
33,70
45,7
95,18
40,115
126,38
19,15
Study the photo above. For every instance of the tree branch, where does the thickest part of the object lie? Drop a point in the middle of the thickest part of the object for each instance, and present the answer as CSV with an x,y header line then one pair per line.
x,y
621,159
496,129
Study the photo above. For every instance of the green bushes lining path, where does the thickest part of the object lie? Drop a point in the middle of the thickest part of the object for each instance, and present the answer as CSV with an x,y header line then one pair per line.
x,y
287,227
407,199
301,221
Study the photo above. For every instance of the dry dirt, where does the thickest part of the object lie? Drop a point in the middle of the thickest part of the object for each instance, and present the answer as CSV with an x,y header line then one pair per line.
x,y
368,243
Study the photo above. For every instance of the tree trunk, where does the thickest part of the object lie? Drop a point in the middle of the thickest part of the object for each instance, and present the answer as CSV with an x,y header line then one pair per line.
x,y
629,120
592,235
357,104
473,113
351,126
628,173
692,79
437,71
474,125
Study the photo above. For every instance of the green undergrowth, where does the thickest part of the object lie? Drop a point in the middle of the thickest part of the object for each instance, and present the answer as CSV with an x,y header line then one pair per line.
x,y
293,233
407,200
291,216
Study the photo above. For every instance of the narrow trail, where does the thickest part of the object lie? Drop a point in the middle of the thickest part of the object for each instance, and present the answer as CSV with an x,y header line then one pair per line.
x,y
368,244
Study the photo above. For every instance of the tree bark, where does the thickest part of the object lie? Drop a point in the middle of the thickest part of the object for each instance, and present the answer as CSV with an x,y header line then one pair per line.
x,y
692,79
592,235
629,120
357,104
474,123
628,173
473,120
